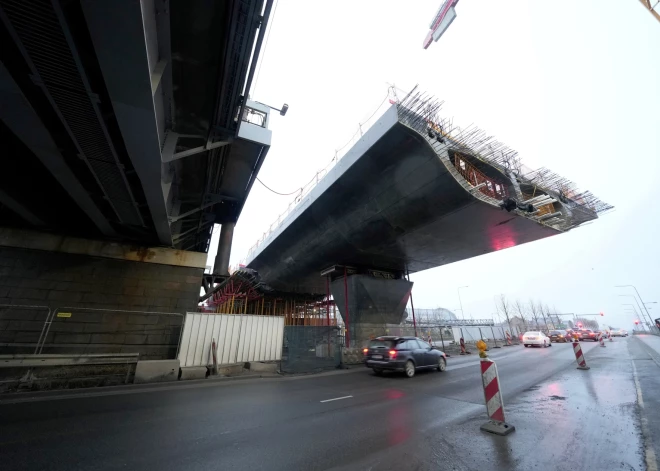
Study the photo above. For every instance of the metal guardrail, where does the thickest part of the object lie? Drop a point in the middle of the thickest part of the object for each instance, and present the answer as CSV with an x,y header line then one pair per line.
x,y
13,361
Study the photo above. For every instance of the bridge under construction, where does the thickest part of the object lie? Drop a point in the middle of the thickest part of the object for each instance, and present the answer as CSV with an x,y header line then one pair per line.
x,y
415,192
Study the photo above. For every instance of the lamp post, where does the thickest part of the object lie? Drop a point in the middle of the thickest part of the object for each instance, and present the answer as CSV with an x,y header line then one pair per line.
x,y
282,111
459,299
636,302
640,298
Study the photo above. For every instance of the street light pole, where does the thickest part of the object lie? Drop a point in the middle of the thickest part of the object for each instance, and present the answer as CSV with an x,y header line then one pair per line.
x,y
636,302
635,310
640,298
459,299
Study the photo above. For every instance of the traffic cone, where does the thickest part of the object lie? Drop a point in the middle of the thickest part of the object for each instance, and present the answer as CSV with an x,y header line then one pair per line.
x,y
600,340
493,397
579,357
463,349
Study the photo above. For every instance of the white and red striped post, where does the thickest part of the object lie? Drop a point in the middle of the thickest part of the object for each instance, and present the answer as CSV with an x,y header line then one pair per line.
x,y
508,339
493,397
600,340
609,335
582,363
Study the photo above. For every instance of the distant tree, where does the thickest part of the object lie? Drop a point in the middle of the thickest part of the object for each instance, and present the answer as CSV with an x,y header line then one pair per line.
x,y
520,309
503,306
533,309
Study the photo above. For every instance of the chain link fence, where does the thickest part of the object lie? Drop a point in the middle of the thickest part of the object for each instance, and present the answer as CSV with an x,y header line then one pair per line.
x,y
309,349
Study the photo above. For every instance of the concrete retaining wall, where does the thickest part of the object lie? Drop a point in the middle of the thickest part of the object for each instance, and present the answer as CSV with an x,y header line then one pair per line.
x,y
352,356
65,280
258,366
155,371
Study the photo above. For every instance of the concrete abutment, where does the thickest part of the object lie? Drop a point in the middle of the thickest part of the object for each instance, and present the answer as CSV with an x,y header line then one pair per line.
x,y
372,304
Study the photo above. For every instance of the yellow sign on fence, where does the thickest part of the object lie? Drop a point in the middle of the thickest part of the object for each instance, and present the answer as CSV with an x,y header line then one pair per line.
x,y
63,314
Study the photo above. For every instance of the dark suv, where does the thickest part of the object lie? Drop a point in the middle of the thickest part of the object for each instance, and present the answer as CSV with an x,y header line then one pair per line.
x,y
406,354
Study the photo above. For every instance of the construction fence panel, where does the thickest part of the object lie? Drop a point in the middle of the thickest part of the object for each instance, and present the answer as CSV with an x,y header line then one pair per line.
x,y
238,337
308,349
472,334
80,330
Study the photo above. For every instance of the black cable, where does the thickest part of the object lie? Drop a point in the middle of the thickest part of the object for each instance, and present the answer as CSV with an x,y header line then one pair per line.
x,y
277,192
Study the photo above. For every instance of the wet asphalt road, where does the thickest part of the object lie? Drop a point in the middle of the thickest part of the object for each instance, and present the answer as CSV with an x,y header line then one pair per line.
x,y
564,419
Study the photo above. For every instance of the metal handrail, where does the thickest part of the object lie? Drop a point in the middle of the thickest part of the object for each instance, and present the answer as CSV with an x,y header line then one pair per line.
x,y
320,175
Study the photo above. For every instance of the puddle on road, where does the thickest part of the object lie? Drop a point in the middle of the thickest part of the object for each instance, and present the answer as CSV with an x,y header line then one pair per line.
x,y
575,420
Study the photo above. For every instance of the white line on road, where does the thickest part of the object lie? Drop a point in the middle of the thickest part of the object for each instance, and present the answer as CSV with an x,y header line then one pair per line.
x,y
651,463
336,399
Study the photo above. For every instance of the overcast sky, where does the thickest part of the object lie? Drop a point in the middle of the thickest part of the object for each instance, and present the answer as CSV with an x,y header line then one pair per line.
x,y
571,85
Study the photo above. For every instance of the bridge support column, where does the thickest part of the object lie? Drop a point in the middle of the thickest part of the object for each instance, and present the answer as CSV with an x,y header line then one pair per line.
x,y
372,304
221,265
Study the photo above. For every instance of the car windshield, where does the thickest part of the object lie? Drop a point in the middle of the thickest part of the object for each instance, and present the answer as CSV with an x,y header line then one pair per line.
x,y
556,332
532,333
381,343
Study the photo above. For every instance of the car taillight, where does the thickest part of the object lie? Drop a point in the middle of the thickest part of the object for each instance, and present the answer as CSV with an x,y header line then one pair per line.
x,y
365,350
392,353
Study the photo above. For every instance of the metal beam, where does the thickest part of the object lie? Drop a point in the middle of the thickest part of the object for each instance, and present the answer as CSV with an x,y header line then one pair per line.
x,y
255,58
125,35
651,8
169,154
23,121
19,209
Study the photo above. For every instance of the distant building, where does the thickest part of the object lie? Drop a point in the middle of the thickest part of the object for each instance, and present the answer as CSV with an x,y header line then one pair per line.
x,y
431,316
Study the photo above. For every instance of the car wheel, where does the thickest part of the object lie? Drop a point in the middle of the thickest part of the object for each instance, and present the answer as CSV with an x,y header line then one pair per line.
x,y
410,369
442,364
378,371
526,345
550,344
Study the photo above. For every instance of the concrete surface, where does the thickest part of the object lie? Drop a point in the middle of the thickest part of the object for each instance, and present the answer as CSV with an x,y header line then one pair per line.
x,y
25,239
193,372
645,354
261,367
234,369
565,419
154,371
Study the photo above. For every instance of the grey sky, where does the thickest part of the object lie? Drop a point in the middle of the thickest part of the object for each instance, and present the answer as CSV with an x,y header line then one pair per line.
x,y
572,85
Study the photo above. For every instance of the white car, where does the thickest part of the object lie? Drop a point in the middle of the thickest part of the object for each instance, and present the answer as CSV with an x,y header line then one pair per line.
x,y
536,338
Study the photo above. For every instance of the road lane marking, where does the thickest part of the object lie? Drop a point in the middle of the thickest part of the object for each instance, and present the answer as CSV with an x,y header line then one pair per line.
x,y
649,452
336,399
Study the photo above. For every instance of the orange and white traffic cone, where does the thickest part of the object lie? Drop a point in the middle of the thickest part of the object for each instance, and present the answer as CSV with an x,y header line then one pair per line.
x,y
579,357
463,351
494,404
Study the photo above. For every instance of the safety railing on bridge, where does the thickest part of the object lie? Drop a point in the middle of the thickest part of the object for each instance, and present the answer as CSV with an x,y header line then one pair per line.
x,y
311,184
